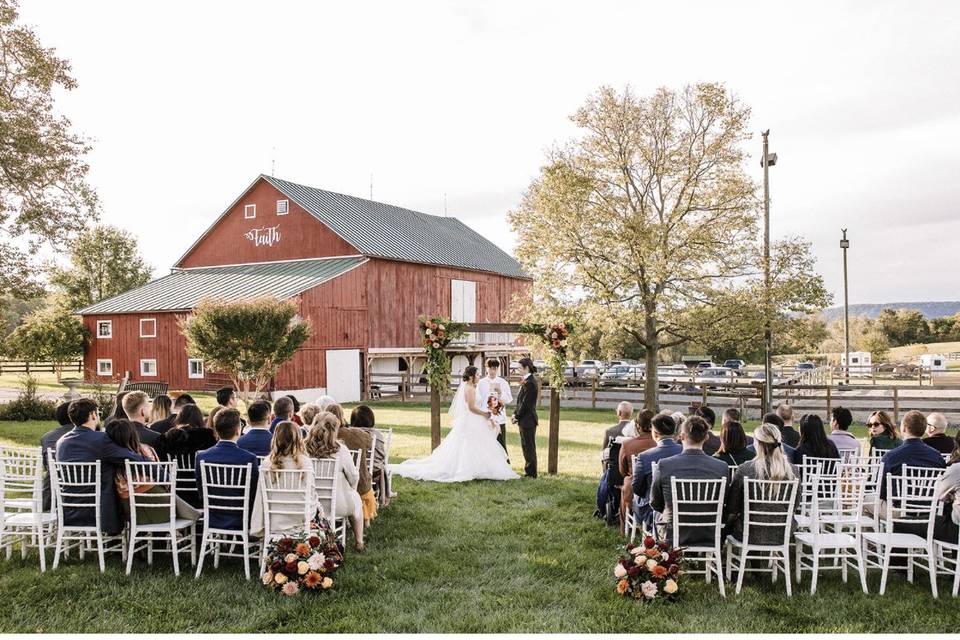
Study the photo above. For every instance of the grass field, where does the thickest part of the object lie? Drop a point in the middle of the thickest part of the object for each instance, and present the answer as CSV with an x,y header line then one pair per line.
x,y
521,556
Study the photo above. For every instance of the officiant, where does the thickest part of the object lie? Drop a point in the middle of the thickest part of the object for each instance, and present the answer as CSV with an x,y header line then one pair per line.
x,y
493,392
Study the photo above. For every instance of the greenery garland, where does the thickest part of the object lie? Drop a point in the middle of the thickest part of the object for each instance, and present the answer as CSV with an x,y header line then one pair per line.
x,y
555,336
437,333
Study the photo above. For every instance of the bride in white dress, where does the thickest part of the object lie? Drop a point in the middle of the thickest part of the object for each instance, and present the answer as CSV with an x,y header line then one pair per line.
x,y
470,451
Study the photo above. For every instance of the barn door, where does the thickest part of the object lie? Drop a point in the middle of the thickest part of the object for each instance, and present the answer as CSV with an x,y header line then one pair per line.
x,y
463,303
343,375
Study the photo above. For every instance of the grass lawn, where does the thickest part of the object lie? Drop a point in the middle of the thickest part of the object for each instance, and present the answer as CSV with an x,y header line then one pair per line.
x,y
521,556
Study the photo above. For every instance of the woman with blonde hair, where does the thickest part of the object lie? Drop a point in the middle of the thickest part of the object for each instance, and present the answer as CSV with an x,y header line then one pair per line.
x,y
770,464
287,452
883,433
322,444
160,408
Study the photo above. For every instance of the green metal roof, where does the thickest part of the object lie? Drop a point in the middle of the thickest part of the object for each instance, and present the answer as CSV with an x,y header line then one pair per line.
x,y
185,288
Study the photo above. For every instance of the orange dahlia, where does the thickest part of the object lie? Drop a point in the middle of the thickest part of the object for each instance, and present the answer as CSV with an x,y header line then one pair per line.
x,y
622,586
302,549
312,580
659,571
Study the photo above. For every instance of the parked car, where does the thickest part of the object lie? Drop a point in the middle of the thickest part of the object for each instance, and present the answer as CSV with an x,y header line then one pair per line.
x,y
675,375
705,365
715,374
735,364
621,375
759,376
802,366
596,367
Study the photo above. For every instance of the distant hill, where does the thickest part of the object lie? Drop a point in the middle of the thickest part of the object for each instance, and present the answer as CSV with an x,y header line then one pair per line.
x,y
928,309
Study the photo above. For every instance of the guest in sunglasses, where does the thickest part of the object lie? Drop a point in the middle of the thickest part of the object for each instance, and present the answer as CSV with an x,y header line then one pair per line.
x,y
883,433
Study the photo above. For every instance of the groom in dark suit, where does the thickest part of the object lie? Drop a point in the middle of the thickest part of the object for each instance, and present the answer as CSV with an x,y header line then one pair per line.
x,y
525,416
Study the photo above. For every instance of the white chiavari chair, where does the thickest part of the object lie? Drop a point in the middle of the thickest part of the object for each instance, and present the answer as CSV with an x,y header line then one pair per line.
x,y
698,507
152,489
227,496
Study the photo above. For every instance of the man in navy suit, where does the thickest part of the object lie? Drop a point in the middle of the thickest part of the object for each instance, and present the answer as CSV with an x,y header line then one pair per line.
x,y
226,451
257,439
664,430
913,452
85,444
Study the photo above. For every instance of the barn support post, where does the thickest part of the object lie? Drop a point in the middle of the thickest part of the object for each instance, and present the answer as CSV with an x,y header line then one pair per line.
x,y
553,446
434,417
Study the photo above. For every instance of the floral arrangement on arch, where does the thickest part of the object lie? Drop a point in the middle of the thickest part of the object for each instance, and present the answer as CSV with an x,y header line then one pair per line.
x,y
436,334
649,571
555,336
302,561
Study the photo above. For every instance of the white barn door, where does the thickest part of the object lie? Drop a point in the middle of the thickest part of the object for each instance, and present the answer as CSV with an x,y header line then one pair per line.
x,y
343,375
463,303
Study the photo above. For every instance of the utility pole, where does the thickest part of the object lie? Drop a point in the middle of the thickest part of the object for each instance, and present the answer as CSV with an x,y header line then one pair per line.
x,y
767,161
845,244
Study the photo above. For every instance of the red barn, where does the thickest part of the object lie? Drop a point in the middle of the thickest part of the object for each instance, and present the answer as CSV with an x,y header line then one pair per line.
x,y
361,271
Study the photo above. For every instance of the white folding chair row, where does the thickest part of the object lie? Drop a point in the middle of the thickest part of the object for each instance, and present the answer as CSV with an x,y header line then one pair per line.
x,y
819,482
227,492
22,519
386,437
630,518
152,486
287,497
698,505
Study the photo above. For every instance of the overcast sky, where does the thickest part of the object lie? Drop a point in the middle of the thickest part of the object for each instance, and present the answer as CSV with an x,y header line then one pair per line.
x,y
186,102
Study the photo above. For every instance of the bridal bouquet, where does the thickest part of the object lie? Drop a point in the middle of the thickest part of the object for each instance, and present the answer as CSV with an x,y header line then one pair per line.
x,y
494,405
304,560
649,571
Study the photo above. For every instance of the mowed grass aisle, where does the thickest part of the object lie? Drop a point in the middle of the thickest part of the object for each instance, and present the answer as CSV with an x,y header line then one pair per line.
x,y
477,557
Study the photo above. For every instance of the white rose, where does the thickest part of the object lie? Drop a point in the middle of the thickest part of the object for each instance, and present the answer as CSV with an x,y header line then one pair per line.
x,y
290,557
316,561
619,571
436,345
563,343
649,590
664,556
651,564
670,586
429,332
637,551
440,327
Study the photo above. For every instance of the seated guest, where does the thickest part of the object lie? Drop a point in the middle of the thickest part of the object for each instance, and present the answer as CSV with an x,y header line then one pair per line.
x,y
324,401
164,425
48,442
936,434
712,444
288,452
691,464
358,439
788,434
282,410
883,433
912,452
814,441
776,421
637,438
636,488
85,444
948,522
227,399
190,433
770,464
733,445
840,421
212,417
258,437
362,418
136,405
624,413
227,451
118,411
678,418
322,443
733,415
160,408
296,410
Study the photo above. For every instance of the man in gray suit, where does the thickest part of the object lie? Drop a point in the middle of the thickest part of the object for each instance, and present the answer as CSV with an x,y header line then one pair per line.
x,y
691,464
624,413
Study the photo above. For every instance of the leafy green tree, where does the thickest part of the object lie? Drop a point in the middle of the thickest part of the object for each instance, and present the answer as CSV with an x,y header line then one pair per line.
x,y
44,193
104,261
14,310
876,342
48,336
903,326
247,340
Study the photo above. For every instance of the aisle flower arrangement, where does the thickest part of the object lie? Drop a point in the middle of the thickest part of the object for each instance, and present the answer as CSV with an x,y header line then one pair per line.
x,y
555,336
436,334
302,561
649,571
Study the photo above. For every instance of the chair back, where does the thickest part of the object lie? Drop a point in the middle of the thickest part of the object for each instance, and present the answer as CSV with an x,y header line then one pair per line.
x,y
697,508
186,474
732,471
912,499
356,454
946,456
153,486
819,480
839,503
287,496
21,479
75,486
372,453
848,456
878,453
768,507
326,472
226,490
386,437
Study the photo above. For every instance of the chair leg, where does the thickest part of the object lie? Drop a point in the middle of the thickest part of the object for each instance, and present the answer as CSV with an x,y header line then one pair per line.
x,y
193,544
100,554
885,569
41,549
785,553
910,569
130,550
956,573
843,553
175,552
861,569
932,570
718,567
729,562
58,549
799,567
245,544
203,552
743,567
815,571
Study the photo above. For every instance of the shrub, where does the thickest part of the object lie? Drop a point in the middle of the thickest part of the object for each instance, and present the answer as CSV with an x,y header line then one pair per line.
x,y
28,405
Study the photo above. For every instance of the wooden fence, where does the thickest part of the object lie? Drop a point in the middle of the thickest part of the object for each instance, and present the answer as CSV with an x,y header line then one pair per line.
x,y
23,366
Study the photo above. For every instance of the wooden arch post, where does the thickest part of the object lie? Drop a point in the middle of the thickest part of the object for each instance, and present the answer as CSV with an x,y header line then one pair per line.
x,y
553,434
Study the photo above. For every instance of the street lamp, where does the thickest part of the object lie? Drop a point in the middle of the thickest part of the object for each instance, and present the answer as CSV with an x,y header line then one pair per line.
x,y
845,244
768,160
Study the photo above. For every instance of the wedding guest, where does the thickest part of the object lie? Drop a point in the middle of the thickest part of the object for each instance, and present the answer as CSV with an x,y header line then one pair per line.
x,y
358,439
257,439
636,491
190,433
117,411
296,410
227,398
624,413
85,444
322,443
124,433
936,434
733,444
678,418
770,464
324,401
776,421
883,433
789,435
48,442
287,452
911,452
733,415
813,441
691,464
282,410
212,416
362,418
712,444
638,437
228,451
164,425
136,405
947,526
160,408
840,421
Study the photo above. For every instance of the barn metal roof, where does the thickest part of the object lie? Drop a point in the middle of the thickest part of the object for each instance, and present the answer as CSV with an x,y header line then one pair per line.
x,y
185,288
383,230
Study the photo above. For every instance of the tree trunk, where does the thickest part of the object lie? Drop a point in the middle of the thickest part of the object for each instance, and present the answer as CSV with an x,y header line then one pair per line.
x,y
651,385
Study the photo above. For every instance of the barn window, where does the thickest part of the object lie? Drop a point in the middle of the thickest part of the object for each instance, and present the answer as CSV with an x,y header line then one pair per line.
x,y
283,207
194,368
104,328
148,327
250,211
105,367
148,367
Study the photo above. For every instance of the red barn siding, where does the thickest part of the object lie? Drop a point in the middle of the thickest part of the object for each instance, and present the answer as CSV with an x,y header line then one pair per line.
x,y
301,235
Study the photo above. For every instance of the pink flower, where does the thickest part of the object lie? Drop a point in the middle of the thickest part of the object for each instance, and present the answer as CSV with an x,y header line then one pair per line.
x,y
290,589
648,588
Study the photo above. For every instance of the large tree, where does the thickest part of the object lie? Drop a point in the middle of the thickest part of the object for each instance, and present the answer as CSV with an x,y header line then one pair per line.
x,y
647,218
48,336
104,261
44,193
